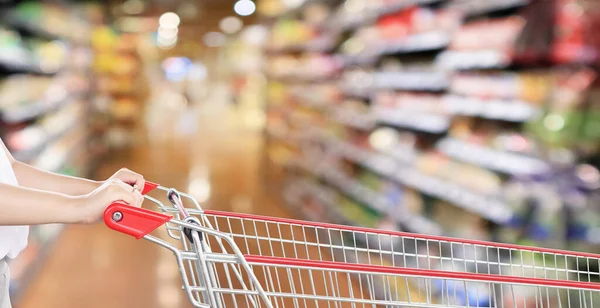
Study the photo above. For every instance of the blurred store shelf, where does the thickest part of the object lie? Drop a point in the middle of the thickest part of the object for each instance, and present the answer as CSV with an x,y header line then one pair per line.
x,y
506,162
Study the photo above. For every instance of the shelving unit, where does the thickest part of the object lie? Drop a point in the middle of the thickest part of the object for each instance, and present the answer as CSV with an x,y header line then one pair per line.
x,y
428,109
45,91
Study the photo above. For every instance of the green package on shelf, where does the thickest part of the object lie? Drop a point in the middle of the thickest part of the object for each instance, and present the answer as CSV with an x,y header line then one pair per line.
x,y
591,126
30,10
370,180
9,39
359,214
559,129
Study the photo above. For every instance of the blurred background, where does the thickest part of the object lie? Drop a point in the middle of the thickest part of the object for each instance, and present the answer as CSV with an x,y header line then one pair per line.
x,y
464,118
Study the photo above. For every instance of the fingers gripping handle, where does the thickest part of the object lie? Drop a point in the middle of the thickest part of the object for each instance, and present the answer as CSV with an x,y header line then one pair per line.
x,y
134,221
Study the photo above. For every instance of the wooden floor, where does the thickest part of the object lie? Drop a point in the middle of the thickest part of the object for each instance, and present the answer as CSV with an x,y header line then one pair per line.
x,y
92,266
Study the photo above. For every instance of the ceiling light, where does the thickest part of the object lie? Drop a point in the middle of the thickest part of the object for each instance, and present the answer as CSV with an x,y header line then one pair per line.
x,y
292,4
169,20
230,24
166,43
244,7
167,32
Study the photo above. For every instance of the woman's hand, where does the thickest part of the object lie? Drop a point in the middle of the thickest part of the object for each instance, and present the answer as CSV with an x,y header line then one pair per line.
x,y
91,206
129,177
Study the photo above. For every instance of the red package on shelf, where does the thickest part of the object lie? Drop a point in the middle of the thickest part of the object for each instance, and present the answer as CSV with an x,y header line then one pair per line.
x,y
575,38
499,34
397,25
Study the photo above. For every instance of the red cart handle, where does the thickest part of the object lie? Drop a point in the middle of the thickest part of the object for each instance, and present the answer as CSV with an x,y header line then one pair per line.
x,y
134,221
148,187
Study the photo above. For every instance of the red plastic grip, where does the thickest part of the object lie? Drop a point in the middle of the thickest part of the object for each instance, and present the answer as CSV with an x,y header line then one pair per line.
x,y
148,187
133,221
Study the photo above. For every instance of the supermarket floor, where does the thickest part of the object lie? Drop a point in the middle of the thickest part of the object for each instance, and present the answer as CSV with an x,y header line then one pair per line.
x,y
218,159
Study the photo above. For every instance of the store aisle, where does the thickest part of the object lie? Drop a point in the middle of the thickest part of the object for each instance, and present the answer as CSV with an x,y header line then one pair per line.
x,y
92,266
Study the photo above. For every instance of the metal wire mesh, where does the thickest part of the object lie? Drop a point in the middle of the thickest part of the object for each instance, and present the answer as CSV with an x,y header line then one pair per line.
x,y
214,267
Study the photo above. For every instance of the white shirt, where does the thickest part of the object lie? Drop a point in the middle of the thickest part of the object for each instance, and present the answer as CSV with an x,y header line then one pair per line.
x,y
13,239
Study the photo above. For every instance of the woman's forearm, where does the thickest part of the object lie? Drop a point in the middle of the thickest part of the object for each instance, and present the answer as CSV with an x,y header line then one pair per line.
x,y
31,177
28,206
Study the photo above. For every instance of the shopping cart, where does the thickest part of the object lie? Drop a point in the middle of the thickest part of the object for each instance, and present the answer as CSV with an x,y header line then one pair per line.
x,y
244,260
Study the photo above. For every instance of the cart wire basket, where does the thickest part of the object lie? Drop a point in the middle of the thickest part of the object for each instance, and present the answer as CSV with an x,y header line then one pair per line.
x,y
244,260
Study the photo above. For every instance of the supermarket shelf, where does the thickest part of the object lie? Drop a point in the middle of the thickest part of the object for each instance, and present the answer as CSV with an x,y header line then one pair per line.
x,y
321,44
56,156
366,17
400,5
343,22
27,155
478,59
379,163
473,8
308,99
384,163
510,163
416,43
490,208
403,154
308,133
347,185
412,80
20,64
410,222
410,44
325,195
494,109
33,110
357,191
353,119
363,59
350,91
300,121
284,137
34,28
426,122
417,223
28,27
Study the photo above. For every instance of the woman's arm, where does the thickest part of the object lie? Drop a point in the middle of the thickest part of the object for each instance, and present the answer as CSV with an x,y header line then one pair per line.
x,y
26,206
31,177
